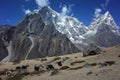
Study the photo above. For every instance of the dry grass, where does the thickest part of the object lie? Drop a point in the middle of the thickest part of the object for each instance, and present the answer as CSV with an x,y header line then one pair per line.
x,y
80,61
64,67
110,62
93,64
76,68
16,62
43,59
56,58
118,55
3,72
37,59
16,77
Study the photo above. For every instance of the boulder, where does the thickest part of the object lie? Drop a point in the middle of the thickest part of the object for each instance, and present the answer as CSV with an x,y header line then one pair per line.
x,y
91,49
54,72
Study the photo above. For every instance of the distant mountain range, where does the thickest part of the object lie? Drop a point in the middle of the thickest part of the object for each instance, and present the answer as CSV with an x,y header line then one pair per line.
x,y
45,32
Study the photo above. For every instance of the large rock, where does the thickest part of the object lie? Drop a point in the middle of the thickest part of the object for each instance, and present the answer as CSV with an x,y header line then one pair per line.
x,y
91,49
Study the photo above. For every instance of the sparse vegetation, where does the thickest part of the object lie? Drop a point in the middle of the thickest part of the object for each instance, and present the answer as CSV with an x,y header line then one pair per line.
x,y
76,68
81,61
16,77
16,62
104,51
89,73
64,67
26,73
0,63
118,55
110,62
43,59
3,72
37,59
56,58
93,64
117,46
65,58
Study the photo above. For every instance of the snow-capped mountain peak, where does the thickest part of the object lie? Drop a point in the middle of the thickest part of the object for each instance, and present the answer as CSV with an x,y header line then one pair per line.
x,y
75,30
103,31
68,25
103,19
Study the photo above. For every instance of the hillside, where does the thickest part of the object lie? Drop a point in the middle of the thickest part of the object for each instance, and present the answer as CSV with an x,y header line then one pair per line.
x,y
79,68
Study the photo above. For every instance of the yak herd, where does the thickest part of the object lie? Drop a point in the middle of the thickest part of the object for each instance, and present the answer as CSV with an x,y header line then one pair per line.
x,y
37,68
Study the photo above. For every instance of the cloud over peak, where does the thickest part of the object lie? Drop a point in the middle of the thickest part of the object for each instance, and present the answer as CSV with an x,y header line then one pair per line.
x,y
42,3
65,10
27,11
97,13
104,5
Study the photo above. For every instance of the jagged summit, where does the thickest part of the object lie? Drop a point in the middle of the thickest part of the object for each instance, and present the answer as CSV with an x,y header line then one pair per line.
x,y
106,19
37,36
103,31
67,25
46,32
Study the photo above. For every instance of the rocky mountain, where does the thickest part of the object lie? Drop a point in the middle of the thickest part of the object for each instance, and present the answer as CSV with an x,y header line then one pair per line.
x,y
45,32
5,37
103,32
36,36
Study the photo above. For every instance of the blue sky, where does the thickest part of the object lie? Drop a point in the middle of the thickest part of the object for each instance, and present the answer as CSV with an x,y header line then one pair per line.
x,y
13,11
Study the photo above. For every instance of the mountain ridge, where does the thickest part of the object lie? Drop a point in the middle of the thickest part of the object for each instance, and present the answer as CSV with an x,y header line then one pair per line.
x,y
45,33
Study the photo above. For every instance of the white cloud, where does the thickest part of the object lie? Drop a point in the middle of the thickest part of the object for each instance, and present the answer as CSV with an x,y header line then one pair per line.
x,y
65,10
64,13
104,5
42,3
97,13
27,11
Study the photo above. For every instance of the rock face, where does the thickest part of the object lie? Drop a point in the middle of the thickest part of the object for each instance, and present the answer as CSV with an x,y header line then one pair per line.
x,y
5,37
44,32
107,32
91,49
103,32
36,36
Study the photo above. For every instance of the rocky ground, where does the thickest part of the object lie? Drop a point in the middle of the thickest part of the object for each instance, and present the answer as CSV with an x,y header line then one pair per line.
x,y
105,66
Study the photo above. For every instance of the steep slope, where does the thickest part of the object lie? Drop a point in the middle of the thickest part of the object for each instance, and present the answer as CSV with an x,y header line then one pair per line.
x,y
5,37
45,32
72,28
36,36
67,25
103,32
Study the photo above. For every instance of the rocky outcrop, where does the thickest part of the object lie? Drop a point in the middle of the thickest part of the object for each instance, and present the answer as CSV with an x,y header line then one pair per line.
x,y
6,32
45,33
50,43
91,49
36,37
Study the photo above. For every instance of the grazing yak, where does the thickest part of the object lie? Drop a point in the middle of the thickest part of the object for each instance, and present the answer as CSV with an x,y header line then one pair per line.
x,y
9,73
59,63
38,67
50,67
22,68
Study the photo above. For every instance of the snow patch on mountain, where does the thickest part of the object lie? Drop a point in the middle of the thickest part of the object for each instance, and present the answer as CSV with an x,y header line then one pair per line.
x,y
9,48
75,30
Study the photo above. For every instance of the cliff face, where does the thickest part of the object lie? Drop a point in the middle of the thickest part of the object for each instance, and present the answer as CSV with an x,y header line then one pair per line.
x,y
45,33
49,43
36,36
6,32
